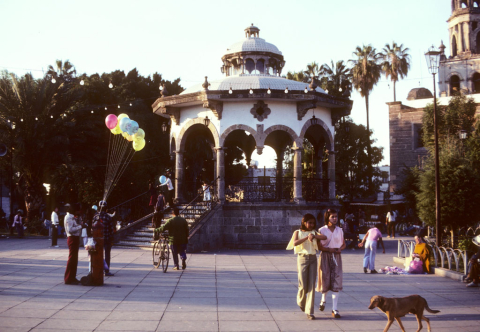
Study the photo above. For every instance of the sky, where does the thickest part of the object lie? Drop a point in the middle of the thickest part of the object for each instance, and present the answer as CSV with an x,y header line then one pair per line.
x,y
187,39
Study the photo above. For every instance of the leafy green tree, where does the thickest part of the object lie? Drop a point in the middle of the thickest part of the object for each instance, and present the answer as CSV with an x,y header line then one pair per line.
x,y
352,162
396,63
409,187
297,76
366,73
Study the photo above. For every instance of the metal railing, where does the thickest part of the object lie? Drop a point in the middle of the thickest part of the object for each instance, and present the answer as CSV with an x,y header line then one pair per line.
x,y
315,190
259,189
132,209
198,208
444,257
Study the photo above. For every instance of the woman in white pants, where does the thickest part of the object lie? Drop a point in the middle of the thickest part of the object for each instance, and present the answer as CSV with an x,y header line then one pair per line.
x,y
373,235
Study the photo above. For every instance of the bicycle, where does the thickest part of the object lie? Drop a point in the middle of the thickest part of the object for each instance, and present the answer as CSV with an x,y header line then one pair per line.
x,y
161,252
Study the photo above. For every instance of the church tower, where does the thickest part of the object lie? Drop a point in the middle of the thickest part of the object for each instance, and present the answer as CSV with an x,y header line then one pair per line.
x,y
460,70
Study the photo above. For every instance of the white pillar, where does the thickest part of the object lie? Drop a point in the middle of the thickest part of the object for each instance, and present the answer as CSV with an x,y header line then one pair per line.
x,y
179,176
220,174
297,173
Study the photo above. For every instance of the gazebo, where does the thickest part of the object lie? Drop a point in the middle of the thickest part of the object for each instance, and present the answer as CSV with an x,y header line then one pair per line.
x,y
251,107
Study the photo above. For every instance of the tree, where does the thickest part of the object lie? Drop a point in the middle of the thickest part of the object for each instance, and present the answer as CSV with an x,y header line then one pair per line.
x,y
312,72
338,77
459,161
396,63
297,76
365,75
352,162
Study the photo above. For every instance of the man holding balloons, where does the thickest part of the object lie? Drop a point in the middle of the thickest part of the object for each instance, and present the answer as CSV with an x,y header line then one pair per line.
x,y
166,181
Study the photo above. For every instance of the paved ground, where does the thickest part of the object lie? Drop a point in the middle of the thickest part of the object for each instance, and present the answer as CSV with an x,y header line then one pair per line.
x,y
224,291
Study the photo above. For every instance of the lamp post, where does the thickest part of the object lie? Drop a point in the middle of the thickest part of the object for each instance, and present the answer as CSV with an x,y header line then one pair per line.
x,y
433,58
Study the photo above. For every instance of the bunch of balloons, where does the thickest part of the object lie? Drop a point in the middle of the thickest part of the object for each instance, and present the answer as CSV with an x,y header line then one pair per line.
x,y
128,128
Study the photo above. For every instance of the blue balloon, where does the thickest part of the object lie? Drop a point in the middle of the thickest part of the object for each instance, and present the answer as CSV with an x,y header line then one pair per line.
x,y
133,128
124,124
163,179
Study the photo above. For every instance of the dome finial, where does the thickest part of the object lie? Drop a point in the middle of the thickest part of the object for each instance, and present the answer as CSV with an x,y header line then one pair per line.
x,y
205,84
252,31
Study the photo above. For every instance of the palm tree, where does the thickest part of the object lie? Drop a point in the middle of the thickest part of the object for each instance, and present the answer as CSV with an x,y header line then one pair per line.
x,y
297,76
312,72
396,63
338,77
366,73
63,70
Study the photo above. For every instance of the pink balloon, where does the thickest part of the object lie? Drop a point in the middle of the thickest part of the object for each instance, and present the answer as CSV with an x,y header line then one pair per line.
x,y
111,121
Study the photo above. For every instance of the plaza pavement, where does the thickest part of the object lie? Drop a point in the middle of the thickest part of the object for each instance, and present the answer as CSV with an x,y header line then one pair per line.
x,y
229,290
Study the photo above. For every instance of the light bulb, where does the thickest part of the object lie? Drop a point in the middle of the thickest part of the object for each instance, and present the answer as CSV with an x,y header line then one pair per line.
x,y
251,91
130,104
51,116
269,91
340,89
92,111
82,82
105,108
286,89
306,90
230,91
118,106
8,120
110,85
21,120
64,115
326,91
54,80
36,119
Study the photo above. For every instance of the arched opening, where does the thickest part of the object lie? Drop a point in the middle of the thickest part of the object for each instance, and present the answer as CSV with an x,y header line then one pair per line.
x,y
239,146
463,4
476,3
198,160
476,83
454,85
454,46
260,66
249,66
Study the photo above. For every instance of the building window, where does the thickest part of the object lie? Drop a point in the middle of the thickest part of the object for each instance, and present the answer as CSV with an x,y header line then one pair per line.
x,y
476,83
464,4
249,66
454,85
454,46
417,136
260,66
476,4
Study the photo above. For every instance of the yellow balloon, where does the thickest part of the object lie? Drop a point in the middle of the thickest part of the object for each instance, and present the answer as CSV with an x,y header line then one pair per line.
x,y
138,145
121,116
116,130
140,134
127,136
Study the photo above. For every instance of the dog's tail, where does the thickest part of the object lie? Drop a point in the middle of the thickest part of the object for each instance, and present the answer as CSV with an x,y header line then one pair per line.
x,y
430,310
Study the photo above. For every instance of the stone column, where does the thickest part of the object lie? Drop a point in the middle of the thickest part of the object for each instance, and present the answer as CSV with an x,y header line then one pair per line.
x,y
220,174
467,36
179,176
331,175
279,175
460,39
297,173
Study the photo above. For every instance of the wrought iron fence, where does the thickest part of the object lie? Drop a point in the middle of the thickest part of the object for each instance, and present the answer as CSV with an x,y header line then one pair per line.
x,y
315,190
259,189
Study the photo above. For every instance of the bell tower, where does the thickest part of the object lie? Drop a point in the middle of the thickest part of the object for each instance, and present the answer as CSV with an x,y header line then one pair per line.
x,y
460,69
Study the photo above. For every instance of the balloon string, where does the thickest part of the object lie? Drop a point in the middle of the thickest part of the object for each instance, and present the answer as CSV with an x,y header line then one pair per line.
x,y
116,164
122,170
114,158
111,159
108,156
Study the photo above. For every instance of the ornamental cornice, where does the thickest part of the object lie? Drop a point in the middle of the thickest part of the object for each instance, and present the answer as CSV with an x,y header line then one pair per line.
x,y
174,113
215,106
304,106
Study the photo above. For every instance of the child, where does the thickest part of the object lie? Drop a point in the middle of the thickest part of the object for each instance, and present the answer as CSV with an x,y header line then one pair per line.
x,y
304,243
206,192
330,274
373,235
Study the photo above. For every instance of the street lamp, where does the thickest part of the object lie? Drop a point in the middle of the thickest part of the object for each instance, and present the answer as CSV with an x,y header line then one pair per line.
x,y
462,134
164,127
433,59
206,121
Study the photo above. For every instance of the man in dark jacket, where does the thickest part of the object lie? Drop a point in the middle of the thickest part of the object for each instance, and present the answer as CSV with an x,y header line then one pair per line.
x,y
177,228
103,219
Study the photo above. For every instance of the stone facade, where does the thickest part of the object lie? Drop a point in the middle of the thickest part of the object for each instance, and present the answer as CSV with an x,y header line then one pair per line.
x,y
252,226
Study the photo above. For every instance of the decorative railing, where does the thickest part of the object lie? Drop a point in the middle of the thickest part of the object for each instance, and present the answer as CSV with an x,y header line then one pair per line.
x,y
444,257
259,189
198,208
315,190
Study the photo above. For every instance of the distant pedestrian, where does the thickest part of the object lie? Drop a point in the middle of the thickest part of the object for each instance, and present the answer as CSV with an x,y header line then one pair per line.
x,y
304,243
73,228
330,270
18,223
371,238
171,190
390,222
55,223
152,191
158,211
177,228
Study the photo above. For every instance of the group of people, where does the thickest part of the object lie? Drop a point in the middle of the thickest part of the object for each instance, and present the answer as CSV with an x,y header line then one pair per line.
x,y
75,225
305,242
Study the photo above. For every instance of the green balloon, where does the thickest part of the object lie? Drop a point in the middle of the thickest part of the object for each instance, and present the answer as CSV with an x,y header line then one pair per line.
x,y
138,144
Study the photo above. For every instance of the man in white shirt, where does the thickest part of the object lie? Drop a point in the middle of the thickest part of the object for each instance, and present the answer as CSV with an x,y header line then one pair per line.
x,y
73,230
171,190
390,222
55,223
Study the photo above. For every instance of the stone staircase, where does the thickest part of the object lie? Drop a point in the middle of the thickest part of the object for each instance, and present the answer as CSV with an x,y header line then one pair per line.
x,y
142,237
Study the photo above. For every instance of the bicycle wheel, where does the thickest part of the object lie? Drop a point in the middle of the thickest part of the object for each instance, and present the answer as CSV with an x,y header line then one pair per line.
x,y
156,254
165,255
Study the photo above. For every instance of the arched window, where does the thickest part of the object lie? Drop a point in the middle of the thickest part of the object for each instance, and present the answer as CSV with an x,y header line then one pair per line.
x,y
476,83
249,66
463,4
454,85
476,3
454,46
260,66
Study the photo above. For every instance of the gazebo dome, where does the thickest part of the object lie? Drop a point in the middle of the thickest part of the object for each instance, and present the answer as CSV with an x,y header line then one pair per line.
x,y
245,82
419,93
253,45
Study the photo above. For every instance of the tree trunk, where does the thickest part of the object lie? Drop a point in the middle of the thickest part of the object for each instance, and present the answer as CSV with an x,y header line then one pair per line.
x,y
394,92
452,235
369,152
